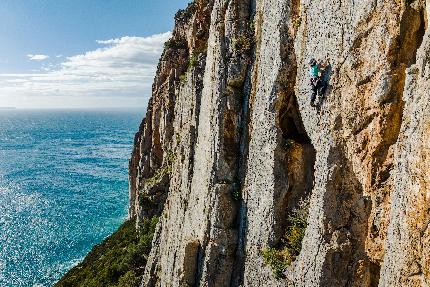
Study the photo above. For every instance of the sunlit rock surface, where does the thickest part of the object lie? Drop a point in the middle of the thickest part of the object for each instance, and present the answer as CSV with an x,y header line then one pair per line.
x,y
230,145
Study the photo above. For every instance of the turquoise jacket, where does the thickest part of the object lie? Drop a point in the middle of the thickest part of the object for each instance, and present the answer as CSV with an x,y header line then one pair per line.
x,y
314,71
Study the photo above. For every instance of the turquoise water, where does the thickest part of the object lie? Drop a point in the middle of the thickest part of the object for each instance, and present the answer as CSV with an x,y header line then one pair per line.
x,y
63,188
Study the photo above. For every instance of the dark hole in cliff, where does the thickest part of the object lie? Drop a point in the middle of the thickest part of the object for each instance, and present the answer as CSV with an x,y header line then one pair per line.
x,y
403,53
291,125
412,30
294,161
298,160
294,176
375,270
190,264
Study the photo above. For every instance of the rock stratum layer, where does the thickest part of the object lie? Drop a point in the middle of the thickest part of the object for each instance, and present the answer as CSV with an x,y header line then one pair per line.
x,y
230,146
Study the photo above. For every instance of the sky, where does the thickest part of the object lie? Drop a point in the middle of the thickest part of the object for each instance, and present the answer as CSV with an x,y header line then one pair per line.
x,y
81,53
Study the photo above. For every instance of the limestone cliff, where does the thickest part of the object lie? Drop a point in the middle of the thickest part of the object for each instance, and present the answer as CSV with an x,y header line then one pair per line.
x,y
230,150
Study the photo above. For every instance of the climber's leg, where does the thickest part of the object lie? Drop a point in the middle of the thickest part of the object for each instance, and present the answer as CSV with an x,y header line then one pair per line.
x,y
314,95
322,87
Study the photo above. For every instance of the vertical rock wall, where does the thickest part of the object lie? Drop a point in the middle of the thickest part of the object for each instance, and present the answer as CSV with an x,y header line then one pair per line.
x,y
230,145
407,259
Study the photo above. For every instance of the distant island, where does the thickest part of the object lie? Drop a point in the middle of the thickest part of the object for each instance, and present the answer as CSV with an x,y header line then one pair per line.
x,y
7,108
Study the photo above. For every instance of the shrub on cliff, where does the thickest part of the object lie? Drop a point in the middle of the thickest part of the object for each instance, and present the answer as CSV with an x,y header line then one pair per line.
x,y
160,173
119,261
282,256
193,61
173,43
242,43
278,260
184,14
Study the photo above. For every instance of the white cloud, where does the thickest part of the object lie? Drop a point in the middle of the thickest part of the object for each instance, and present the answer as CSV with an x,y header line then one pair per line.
x,y
123,67
38,57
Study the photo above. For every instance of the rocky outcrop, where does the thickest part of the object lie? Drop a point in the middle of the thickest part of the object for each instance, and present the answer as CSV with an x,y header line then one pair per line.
x,y
150,164
230,146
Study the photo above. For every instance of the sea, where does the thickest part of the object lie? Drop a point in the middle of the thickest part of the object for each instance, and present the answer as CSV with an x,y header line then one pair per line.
x,y
63,188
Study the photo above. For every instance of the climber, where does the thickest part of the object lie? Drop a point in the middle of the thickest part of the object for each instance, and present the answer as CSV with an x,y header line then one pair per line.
x,y
317,82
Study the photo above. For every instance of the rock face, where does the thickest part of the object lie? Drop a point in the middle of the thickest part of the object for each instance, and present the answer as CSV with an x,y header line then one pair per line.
x,y
230,146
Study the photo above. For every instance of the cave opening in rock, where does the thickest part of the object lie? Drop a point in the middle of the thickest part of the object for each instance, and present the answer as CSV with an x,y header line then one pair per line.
x,y
298,160
294,178
297,156
374,270
290,121
412,30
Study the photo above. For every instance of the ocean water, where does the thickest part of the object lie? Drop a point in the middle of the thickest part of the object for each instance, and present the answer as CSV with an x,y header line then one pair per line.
x,y
63,188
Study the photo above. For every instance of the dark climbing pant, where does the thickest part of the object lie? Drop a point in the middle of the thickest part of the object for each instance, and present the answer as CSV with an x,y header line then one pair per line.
x,y
318,88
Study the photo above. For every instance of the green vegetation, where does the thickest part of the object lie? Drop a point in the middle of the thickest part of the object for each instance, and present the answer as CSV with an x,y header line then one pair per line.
x,y
193,61
289,143
291,243
252,26
295,233
278,260
175,44
297,22
119,261
187,12
164,170
236,194
183,77
242,43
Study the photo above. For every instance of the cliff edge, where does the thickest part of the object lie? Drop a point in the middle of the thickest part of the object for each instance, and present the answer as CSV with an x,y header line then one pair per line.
x,y
255,187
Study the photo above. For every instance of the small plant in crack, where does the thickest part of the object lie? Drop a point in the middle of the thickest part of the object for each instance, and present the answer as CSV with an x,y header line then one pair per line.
x,y
289,143
193,61
173,43
252,26
183,78
165,169
242,43
236,194
297,223
297,22
279,258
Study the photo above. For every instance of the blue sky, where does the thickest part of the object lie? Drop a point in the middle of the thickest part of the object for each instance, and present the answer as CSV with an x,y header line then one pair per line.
x,y
52,50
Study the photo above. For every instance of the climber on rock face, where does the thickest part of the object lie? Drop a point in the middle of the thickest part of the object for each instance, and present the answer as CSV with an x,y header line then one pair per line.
x,y
317,82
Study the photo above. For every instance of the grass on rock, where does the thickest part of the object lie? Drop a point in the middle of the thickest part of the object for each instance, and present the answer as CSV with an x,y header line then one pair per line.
x,y
291,243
